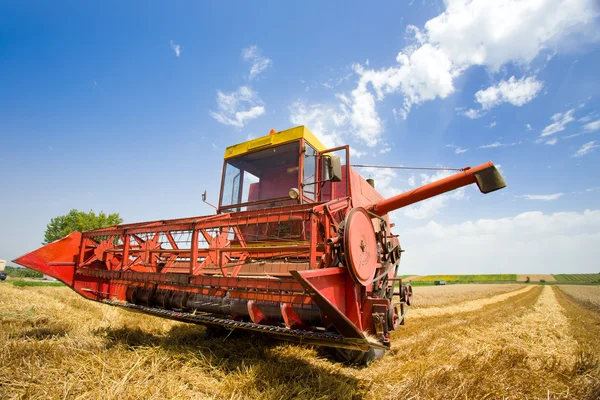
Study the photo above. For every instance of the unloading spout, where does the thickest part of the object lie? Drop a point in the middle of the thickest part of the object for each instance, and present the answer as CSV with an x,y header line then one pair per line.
x,y
486,176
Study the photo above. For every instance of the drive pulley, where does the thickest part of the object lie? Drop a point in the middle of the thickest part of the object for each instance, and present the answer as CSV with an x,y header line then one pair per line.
x,y
360,246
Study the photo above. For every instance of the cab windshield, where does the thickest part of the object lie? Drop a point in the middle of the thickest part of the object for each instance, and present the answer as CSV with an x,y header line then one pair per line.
x,y
264,176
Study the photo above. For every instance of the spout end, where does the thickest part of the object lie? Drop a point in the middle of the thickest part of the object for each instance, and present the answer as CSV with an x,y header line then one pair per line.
x,y
489,180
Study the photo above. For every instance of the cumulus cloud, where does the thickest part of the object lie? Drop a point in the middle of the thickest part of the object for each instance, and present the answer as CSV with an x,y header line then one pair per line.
x,y
258,62
493,33
468,33
559,123
530,242
363,118
586,148
239,107
544,197
322,120
176,48
513,91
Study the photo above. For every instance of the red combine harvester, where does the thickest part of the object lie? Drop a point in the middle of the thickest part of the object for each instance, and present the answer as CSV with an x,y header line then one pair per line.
x,y
300,248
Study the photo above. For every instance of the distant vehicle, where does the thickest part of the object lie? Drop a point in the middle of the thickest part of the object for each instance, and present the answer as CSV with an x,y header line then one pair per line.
x,y
2,273
440,283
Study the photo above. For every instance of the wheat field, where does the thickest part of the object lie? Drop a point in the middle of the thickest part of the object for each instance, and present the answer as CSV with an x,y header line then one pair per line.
x,y
514,342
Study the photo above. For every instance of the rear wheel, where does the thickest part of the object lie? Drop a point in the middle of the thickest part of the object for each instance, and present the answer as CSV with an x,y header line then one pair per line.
x,y
2,276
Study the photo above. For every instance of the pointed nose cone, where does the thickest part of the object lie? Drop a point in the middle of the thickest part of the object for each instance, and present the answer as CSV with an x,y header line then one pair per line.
x,y
56,259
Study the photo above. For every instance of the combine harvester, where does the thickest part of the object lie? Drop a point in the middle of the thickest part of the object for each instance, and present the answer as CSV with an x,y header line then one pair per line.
x,y
300,248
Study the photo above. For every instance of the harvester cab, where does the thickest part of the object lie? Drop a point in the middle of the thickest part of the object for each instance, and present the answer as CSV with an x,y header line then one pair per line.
x,y
282,169
301,248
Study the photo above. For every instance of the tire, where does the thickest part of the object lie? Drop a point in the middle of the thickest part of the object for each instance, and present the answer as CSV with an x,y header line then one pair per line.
x,y
2,276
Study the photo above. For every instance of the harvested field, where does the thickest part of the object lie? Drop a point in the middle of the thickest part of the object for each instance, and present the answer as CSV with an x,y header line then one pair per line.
x,y
532,342
434,296
587,295
536,277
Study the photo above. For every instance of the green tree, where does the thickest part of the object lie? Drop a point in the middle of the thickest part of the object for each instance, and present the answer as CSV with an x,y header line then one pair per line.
x,y
79,221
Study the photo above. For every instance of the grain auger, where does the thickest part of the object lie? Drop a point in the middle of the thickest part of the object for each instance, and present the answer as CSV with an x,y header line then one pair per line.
x,y
300,248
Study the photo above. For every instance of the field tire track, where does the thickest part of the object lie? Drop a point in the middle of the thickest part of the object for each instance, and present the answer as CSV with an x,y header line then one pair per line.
x,y
584,326
409,367
522,347
467,306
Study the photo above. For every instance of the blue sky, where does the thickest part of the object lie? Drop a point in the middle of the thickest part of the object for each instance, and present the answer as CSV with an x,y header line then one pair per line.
x,y
128,108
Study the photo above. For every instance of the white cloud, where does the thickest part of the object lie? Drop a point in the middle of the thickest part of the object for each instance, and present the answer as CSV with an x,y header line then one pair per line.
x,y
322,120
473,114
493,33
527,243
551,142
259,63
498,144
492,124
457,149
239,107
357,153
386,180
176,48
587,128
385,150
528,126
491,145
422,74
544,197
559,124
586,148
592,126
468,33
515,92
364,118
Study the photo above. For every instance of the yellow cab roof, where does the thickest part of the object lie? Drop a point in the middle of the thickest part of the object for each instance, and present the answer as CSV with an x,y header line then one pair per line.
x,y
275,139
